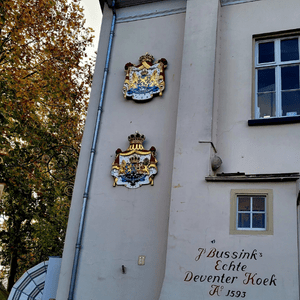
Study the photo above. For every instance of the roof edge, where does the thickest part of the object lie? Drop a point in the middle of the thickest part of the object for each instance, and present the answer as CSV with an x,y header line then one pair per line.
x,y
126,3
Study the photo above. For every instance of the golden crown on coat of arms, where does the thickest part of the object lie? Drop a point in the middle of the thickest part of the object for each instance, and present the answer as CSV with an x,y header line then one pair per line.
x,y
136,141
136,138
147,58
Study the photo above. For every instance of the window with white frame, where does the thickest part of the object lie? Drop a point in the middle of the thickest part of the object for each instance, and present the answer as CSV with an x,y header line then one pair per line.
x,y
277,72
251,211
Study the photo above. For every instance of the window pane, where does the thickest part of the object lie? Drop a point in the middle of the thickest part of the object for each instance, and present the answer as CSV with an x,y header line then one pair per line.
x,y
290,78
289,50
243,220
258,203
291,103
258,220
266,80
266,105
243,203
266,52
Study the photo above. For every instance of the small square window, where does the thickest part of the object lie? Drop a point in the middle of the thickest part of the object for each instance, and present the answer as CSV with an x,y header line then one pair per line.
x,y
277,78
251,212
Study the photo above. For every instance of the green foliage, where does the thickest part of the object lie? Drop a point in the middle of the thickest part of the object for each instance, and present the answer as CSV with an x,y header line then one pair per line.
x,y
44,85
3,293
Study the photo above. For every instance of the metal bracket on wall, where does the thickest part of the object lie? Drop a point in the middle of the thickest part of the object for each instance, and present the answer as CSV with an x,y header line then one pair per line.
x,y
209,142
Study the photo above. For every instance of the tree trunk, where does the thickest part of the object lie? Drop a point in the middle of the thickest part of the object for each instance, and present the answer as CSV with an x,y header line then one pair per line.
x,y
13,270
16,241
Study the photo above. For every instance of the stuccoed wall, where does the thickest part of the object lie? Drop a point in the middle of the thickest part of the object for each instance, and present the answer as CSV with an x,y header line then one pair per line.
x,y
261,149
208,97
123,223
271,256
79,186
200,211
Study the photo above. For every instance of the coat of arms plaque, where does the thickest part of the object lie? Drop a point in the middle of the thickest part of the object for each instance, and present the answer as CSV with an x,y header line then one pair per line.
x,y
146,79
136,166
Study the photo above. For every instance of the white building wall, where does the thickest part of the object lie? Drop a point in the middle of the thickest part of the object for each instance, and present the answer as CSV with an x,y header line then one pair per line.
x,y
79,187
261,149
122,223
208,97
